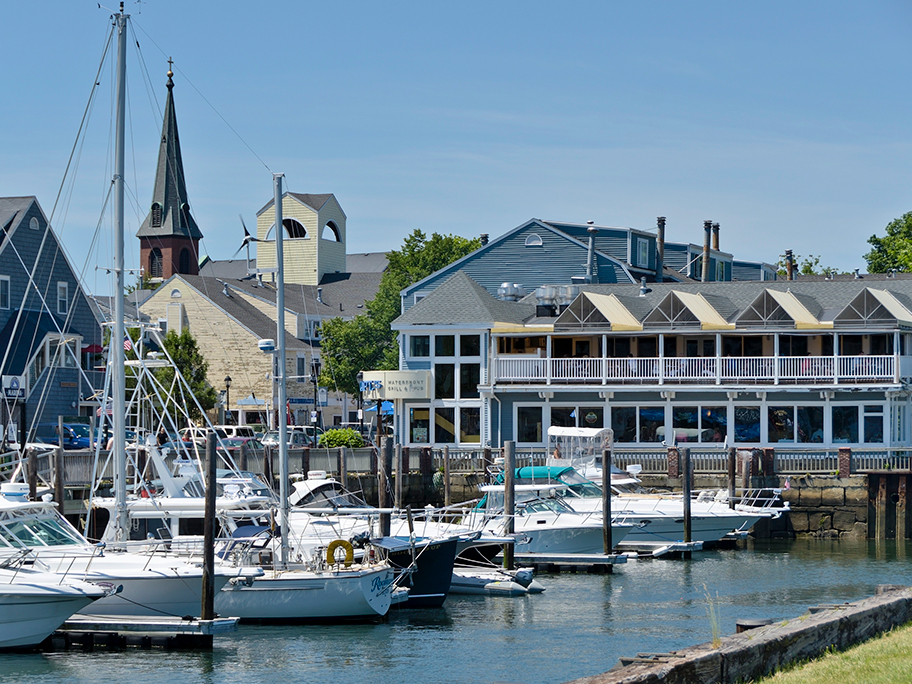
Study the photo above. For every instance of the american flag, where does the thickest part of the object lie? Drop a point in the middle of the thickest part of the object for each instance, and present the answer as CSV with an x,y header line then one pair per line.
x,y
128,343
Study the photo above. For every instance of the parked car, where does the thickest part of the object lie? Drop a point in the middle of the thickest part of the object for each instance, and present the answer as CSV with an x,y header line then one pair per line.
x,y
298,436
232,431
75,435
200,434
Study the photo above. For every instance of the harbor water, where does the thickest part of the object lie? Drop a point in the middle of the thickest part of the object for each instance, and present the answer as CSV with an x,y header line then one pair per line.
x,y
578,627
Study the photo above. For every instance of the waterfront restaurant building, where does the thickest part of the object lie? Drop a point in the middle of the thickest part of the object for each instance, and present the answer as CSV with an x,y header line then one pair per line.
x,y
808,364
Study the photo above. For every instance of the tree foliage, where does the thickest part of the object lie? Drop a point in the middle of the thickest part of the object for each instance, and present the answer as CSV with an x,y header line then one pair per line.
x,y
347,437
894,250
193,367
367,342
809,265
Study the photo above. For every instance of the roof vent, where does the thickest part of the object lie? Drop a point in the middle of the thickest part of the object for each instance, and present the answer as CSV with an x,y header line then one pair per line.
x,y
857,276
546,298
566,295
509,292
643,289
320,295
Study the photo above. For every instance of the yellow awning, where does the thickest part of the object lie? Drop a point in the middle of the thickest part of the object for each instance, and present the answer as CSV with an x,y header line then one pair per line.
x,y
804,319
614,311
709,318
893,305
513,328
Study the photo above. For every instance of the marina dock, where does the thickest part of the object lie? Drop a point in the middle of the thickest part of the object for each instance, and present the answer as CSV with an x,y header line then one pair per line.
x,y
117,633
593,563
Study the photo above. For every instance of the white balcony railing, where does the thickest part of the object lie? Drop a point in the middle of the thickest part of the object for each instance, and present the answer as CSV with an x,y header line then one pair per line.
x,y
701,370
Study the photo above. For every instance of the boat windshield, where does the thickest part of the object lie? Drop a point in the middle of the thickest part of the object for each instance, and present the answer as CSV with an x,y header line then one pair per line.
x,y
32,532
332,496
577,485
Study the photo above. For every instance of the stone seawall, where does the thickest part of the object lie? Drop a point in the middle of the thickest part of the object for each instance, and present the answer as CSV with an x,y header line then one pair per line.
x,y
761,651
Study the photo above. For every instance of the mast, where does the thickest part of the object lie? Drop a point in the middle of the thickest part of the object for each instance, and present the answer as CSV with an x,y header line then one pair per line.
x,y
280,366
116,343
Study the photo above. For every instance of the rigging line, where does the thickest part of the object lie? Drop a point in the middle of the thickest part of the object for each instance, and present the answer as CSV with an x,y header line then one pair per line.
x,y
85,114
147,77
225,121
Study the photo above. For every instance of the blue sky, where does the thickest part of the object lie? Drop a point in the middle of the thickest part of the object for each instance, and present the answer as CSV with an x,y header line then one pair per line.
x,y
785,122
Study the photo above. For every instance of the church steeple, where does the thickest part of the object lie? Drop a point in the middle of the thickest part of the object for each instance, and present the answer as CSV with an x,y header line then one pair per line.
x,y
169,236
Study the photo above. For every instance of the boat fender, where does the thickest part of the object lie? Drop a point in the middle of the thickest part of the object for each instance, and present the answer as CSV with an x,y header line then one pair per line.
x,y
340,543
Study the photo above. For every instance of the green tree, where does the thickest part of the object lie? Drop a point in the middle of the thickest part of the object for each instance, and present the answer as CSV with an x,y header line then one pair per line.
x,y
894,250
193,367
367,342
809,265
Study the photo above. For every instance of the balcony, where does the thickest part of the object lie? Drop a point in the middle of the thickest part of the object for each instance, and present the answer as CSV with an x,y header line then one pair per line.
x,y
758,370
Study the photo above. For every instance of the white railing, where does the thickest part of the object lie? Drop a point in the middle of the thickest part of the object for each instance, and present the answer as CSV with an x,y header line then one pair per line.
x,y
702,370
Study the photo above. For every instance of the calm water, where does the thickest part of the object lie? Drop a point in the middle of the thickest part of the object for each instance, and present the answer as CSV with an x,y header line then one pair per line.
x,y
580,626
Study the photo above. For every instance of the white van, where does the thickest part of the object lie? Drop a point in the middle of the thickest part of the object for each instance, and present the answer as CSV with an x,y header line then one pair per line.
x,y
232,431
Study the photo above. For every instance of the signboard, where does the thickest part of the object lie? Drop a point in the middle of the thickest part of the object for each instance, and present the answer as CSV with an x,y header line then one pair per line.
x,y
300,400
323,396
14,386
396,385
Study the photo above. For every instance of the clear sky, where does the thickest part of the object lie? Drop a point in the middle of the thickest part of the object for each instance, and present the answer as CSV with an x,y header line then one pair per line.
x,y
786,122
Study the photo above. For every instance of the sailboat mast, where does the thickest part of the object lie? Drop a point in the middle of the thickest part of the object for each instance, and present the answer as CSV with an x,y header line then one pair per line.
x,y
116,343
280,366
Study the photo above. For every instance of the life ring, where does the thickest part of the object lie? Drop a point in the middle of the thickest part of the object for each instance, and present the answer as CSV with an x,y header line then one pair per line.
x,y
331,552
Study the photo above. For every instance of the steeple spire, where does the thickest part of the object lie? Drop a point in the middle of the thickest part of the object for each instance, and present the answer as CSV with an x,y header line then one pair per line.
x,y
169,235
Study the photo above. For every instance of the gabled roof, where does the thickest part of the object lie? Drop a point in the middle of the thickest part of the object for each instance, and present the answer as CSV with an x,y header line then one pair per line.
x,y
21,341
461,300
597,310
878,306
314,201
774,306
687,308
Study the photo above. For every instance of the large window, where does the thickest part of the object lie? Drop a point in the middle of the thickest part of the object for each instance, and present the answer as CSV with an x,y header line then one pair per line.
x,y
642,249
638,424
419,425
529,424
470,345
445,345
444,425
470,425
699,423
845,424
873,424
445,381
747,424
578,416
4,292
419,345
469,377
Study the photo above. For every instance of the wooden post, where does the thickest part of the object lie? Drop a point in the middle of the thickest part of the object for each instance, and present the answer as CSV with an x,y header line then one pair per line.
x,y
207,611
343,466
845,462
242,464
398,469
487,459
901,496
606,501
33,475
674,462
383,482
446,476
687,476
267,468
732,459
59,492
880,505
509,499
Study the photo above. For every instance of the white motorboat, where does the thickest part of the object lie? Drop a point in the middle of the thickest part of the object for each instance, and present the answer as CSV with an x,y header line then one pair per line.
x,y
656,518
34,604
146,584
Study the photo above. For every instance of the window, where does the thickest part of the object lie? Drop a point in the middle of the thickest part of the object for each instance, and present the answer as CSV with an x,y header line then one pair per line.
x,y
643,424
445,345
469,377
533,240
720,271
529,424
873,424
420,345
184,263
845,424
747,424
469,345
445,381
4,292
176,294
444,425
156,215
578,416
303,371
63,300
294,228
155,263
780,424
419,423
642,252
470,425
331,232
33,224
810,424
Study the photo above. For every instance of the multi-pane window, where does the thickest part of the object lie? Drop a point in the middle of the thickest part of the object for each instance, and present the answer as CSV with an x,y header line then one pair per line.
x,y
4,292
529,424
63,300
419,345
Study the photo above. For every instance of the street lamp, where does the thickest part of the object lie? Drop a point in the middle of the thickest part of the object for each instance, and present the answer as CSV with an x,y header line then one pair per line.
x,y
315,377
227,399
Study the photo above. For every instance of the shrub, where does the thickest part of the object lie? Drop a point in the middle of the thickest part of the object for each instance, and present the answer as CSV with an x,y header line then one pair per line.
x,y
347,437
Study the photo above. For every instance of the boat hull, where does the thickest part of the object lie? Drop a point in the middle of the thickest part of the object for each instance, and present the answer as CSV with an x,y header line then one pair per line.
x,y
551,537
430,583
300,596
29,613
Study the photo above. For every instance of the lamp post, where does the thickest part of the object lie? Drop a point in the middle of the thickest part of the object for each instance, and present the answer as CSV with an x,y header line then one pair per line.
x,y
227,399
315,377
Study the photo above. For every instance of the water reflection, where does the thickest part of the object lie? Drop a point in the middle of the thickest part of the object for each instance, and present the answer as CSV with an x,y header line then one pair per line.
x,y
579,627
